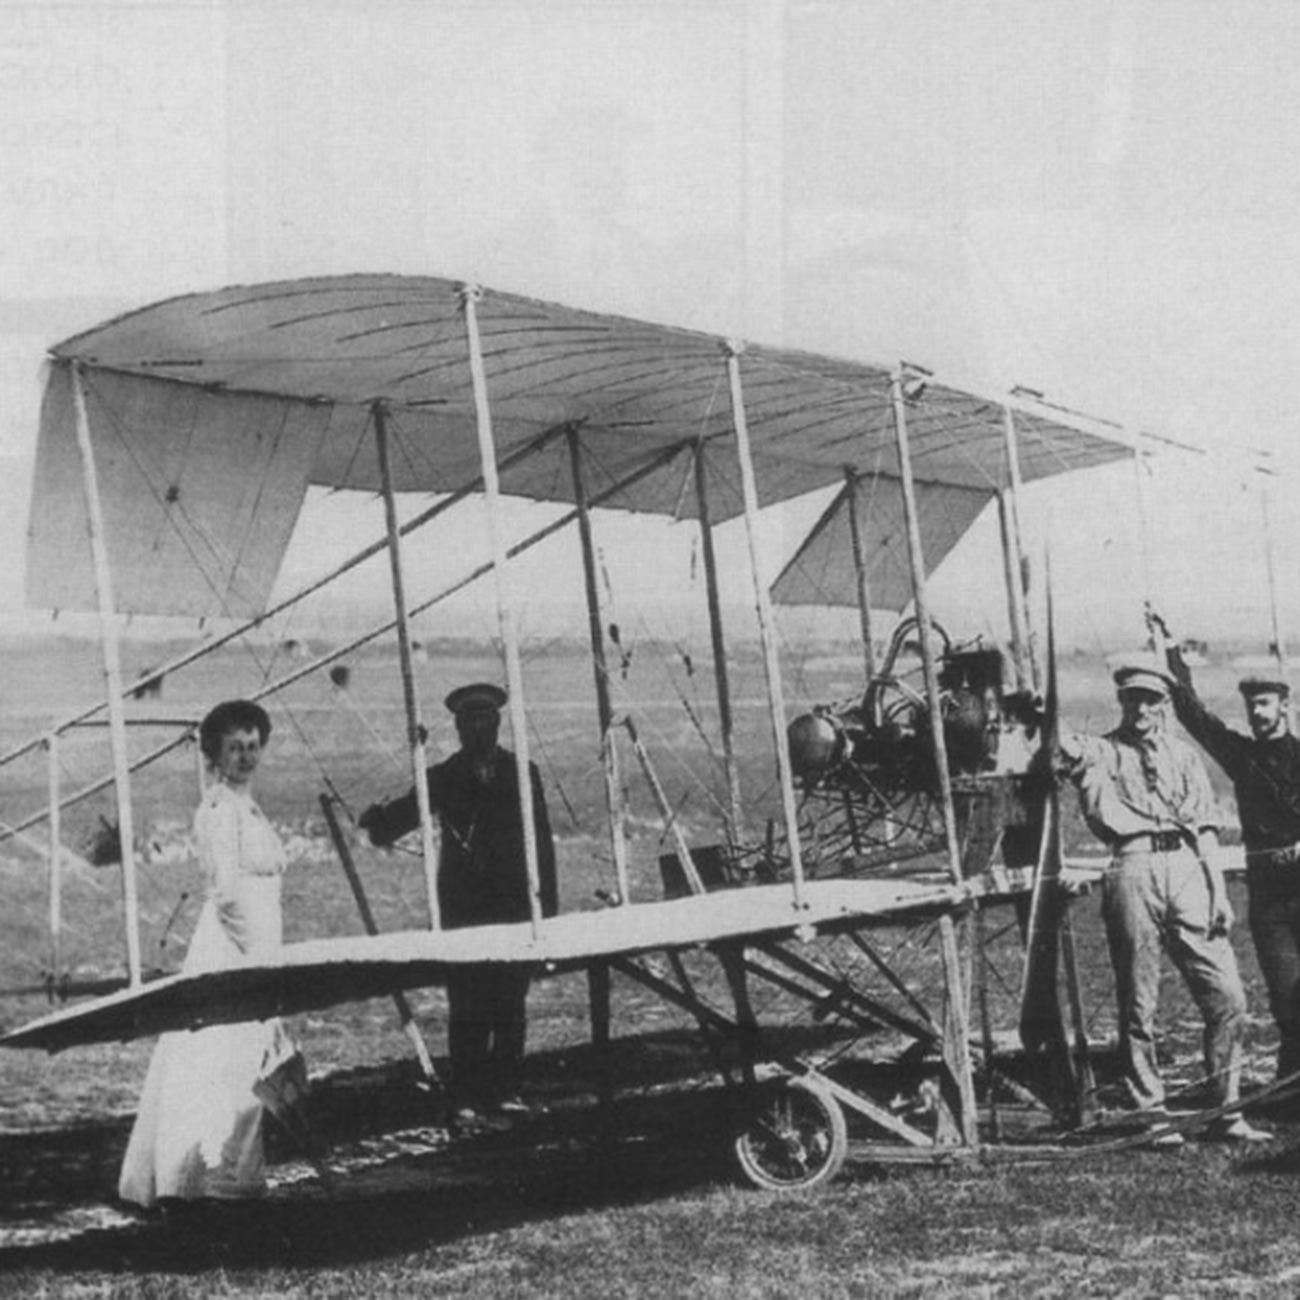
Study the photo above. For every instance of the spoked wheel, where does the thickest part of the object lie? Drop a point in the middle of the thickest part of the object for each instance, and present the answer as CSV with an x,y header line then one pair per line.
x,y
794,1138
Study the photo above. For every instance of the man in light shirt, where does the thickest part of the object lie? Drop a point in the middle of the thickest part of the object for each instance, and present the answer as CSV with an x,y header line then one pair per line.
x,y
1146,795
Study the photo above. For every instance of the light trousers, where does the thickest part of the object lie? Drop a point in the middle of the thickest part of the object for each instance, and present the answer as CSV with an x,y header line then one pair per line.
x,y
1156,903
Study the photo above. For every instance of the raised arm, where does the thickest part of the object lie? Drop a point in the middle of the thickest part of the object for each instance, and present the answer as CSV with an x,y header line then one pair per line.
x,y
1209,731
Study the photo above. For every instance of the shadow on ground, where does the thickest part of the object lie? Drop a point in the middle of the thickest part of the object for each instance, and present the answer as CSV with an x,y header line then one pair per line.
x,y
406,1178
409,1204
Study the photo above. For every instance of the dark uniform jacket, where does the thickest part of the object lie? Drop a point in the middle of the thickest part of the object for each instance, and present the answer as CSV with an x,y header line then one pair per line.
x,y
482,868
1265,774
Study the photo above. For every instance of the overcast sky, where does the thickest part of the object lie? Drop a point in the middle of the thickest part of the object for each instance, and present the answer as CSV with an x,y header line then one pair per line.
x,y
1094,199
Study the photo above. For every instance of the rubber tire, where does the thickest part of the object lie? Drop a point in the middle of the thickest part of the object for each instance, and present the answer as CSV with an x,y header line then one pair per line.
x,y
793,1138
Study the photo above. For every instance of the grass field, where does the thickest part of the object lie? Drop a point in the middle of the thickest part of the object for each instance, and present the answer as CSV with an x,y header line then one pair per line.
x,y
543,1209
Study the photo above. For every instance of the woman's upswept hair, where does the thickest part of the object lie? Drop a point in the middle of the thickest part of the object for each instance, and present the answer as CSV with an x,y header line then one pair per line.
x,y
228,716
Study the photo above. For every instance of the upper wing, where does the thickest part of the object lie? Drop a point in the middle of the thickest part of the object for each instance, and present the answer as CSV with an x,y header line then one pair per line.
x,y
211,414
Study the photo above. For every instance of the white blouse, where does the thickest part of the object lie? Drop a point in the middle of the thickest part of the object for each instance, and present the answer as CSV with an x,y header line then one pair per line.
x,y
242,861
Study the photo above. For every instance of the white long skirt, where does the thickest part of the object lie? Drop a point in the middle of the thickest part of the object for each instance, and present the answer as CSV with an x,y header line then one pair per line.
x,y
198,1130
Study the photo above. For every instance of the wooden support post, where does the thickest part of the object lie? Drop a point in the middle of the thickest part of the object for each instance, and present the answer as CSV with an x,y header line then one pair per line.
x,y
763,607
955,1049
852,499
56,861
736,828
112,676
470,296
986,1022
731,956
604,711
404,1014
414,726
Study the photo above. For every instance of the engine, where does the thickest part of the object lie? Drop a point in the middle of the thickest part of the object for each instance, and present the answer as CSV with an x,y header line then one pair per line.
x,y
886,737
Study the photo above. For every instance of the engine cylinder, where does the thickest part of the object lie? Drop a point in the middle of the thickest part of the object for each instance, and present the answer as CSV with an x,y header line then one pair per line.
x,y
817,745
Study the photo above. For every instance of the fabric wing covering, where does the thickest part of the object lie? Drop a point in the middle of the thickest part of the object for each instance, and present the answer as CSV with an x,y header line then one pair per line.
x,y
824,571
210,415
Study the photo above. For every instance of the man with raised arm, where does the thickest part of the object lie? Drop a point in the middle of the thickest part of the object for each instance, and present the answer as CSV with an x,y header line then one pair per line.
x,y
482,880
1146,795
1264,768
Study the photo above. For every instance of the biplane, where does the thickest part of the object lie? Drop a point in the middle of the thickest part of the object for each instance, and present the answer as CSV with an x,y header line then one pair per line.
x,y
182,440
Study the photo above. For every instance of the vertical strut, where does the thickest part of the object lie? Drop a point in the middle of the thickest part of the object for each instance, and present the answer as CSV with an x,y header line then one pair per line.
x,y
56,860
763,607
604,710
112,676
924,627
414,726
956,1053
470,296
718,642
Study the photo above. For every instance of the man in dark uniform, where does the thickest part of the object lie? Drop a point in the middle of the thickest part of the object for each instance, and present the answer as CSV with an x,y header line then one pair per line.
x,y
482,880
1264,768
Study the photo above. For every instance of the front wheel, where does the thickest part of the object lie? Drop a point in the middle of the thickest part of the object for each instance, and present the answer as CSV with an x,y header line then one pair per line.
x,y
794,1138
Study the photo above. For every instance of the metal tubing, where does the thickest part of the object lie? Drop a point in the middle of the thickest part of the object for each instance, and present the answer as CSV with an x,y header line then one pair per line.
x,y
470,296
718,641
414,726
113,679
762,605
604,710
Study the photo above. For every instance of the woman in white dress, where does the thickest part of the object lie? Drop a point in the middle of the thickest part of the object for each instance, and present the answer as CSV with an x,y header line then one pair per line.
x,y
198,1131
